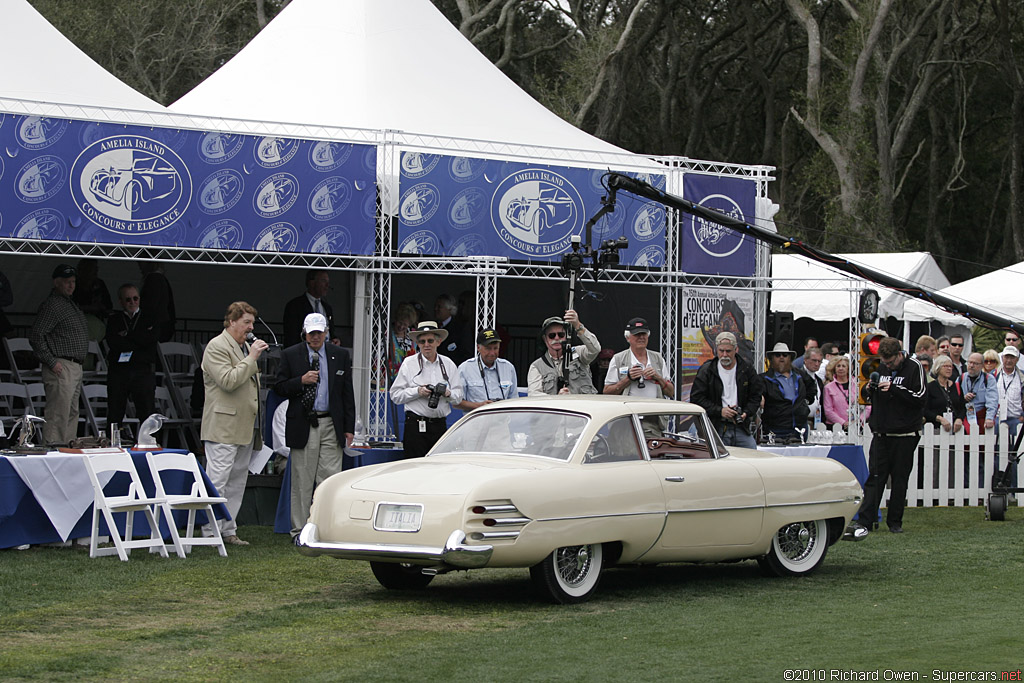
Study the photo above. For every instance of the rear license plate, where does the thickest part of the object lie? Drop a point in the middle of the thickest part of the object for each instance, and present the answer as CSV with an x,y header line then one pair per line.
x,y
398,517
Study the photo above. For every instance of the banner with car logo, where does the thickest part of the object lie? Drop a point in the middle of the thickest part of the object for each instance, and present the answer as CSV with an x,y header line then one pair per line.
x,y
709,248
85,181
461,206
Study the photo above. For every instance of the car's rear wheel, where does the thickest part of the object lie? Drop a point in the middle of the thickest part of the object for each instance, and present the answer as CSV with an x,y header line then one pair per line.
x,y
401,577
569,574
797,549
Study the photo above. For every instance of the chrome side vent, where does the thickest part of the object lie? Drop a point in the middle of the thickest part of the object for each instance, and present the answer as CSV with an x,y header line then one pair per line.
x,y
502,516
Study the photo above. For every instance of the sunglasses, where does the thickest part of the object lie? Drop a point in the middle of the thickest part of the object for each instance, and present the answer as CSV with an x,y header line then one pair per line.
x,y
780,355
556,335
989,360
1013,340
955,344
429,340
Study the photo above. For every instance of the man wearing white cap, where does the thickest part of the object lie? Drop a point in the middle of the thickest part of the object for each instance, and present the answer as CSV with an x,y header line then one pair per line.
x,y
427,384
1009,382
316,378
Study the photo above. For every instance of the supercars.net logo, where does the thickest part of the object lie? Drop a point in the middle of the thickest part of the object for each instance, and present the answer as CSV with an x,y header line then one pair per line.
x,y
131,185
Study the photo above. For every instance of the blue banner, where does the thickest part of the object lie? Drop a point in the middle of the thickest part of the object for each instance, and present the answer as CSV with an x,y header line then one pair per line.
x,y
709,248
112,183
460,206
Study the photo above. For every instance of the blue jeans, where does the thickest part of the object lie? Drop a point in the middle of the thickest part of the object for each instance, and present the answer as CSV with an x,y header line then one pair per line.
x,y
736,435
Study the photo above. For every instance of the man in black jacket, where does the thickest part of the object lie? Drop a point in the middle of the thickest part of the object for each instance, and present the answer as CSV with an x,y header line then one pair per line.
x,y
785,396
896,415
316,378
729,389
318,283
131,361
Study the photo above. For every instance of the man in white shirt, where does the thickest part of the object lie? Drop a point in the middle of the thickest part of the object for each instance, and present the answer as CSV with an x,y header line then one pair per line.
x,y
638,371
427,384
485,377
1009,382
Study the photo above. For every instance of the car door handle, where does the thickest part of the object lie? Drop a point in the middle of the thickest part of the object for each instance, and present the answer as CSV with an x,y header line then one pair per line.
x,y
675,479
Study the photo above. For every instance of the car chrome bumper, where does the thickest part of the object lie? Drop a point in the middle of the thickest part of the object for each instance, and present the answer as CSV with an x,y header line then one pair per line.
x,y
454,553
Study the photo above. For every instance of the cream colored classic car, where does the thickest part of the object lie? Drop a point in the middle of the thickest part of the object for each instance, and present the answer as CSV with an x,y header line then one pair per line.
x,y
567,485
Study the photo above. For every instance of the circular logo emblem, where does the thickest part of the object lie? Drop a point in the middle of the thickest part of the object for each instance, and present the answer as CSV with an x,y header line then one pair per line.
x,y
277,237
650,257
275,195
466,170
216,148
370,206
326,156
468,208
329,198
649,222
468,245
536,212
36,132
271,152
419,204
41,224
220,191
131,185
370,160
714,239
89,133
1,167
334,239
224,234
40,179
420,242
418,164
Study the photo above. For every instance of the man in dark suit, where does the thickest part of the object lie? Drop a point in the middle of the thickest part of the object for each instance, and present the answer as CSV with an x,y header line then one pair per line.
x,y
316,378
131,361
296,310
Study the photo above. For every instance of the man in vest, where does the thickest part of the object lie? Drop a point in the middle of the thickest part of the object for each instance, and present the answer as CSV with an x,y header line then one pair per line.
x,y
564,369
638,371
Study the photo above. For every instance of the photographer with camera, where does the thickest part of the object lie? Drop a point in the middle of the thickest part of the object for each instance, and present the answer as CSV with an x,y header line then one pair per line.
x,y
485,377
427,385
730,390
564,368
638,371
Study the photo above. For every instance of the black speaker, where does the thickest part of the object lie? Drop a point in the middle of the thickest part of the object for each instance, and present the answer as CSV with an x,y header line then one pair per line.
x,y
780,329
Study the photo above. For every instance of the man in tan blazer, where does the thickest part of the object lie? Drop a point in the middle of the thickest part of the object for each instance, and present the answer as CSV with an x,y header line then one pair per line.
x,y
231,415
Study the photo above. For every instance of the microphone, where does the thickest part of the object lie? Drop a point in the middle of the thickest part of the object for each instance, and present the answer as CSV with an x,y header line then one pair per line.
x,y
274,336
250,337
873,380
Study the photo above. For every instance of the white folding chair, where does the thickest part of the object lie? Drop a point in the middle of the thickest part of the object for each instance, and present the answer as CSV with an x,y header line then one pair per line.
x,y
108,506
22,347
198,499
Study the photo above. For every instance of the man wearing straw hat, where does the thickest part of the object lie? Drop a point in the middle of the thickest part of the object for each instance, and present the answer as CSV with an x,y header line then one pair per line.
x,y
427,384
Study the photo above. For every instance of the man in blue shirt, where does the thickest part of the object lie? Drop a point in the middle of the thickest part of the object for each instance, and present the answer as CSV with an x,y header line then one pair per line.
x,y
485,377
980,394
785,408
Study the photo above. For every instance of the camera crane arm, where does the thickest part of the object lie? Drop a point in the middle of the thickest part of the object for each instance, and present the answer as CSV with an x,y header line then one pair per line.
x,y
619,181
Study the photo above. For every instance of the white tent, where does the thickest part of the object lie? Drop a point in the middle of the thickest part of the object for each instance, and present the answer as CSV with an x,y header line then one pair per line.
x,y
394,65
41,65
997,292
809,289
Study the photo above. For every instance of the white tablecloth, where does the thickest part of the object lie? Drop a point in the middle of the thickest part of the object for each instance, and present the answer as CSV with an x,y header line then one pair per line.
x,y
814,451
60,484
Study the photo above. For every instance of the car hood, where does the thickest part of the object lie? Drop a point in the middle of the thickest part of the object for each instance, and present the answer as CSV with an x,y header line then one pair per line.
x,y
446,474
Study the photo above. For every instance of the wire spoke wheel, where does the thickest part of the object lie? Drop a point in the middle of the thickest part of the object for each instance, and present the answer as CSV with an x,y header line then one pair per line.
x,y
797,548
569,574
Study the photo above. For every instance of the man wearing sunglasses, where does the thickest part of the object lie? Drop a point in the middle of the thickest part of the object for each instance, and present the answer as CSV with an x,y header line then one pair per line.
x,y
785,396
956,354
897,413
547,374
131,361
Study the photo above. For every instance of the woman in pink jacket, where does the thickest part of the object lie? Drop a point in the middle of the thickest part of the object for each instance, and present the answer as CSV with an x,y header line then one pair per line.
x,y
837,393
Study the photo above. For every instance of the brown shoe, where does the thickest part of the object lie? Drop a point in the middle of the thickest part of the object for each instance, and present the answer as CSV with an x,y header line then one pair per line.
x,y
234,540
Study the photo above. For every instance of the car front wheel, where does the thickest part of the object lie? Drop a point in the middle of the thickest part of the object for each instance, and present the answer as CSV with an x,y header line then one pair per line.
x,y
569,574
797,549
400,577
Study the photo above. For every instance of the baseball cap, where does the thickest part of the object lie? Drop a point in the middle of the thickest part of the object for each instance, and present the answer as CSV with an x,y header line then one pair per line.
x,y
637,325
553,320
314,322
1010,351
64,270
488,336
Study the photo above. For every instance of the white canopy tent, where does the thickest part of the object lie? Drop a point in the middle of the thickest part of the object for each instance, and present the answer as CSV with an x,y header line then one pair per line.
x,y
998,292
395,65
809,289
41,65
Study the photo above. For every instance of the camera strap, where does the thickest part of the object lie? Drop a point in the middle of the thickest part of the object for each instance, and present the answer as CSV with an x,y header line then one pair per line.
x,y
440,361
483,379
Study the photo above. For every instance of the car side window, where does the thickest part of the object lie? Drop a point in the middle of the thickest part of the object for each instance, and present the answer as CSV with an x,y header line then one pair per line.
x,y
615,441
682,436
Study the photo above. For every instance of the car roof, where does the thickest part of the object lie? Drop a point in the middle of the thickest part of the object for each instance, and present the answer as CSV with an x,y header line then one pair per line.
x,y
598,406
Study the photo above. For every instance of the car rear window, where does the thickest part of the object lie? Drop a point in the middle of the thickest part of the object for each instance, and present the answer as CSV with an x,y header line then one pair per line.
x,y
544,433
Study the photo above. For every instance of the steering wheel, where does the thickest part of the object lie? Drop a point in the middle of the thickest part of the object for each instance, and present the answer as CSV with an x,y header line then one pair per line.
x,y
600,449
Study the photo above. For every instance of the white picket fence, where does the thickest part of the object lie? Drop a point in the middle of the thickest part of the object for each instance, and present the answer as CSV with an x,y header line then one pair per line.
x,y
952,470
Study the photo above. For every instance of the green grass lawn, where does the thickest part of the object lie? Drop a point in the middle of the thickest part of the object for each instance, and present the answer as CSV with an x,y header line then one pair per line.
x,y
945,595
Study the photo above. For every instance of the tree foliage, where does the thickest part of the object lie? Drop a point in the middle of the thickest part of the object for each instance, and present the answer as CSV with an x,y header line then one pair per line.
x,y
893,124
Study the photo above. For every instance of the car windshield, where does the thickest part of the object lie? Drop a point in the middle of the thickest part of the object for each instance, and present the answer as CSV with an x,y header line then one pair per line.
x,y
545,433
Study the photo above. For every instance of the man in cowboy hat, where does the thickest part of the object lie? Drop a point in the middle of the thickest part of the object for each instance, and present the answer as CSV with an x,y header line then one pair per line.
x,y
547,374
427,384
785,396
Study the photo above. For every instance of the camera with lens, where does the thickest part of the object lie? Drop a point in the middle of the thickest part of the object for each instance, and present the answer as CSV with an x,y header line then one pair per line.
x,y
738,417
610,251
437,392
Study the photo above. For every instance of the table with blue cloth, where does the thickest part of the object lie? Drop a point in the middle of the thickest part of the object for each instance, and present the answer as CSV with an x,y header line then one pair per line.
x,y
851,455
48,498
